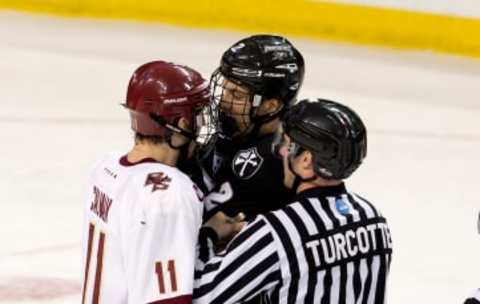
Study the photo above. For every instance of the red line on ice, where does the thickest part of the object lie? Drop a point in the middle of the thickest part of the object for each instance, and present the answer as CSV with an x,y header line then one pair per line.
x,y
26,288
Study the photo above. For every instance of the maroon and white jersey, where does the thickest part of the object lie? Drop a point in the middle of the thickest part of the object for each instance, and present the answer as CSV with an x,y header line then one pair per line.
x,y
140,231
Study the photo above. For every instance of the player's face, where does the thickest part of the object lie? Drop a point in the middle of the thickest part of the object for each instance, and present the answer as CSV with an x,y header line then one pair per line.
x,y
235,103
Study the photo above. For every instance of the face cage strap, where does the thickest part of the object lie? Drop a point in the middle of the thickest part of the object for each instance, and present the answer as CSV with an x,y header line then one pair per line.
x,y
162,122
259,121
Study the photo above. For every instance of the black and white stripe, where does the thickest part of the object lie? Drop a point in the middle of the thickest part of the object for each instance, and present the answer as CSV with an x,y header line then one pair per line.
x,y
285,255
247,266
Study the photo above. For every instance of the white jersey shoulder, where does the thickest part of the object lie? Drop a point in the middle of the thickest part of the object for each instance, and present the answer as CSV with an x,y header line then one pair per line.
x,y
156,187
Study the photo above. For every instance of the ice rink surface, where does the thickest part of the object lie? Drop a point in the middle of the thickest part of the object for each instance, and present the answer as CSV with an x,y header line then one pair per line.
x,y
61,83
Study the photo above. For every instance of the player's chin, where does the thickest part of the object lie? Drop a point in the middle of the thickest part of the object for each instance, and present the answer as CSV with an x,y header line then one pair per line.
x,y
241,121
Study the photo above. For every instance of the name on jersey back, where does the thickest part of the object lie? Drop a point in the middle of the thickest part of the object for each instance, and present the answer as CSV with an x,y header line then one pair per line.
x,y
101,204
350,242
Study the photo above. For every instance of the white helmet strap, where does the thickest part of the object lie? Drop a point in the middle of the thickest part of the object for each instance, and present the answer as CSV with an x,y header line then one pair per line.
x,y
257,100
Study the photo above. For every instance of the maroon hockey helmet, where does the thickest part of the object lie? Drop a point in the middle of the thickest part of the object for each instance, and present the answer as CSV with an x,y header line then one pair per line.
x,y
160,93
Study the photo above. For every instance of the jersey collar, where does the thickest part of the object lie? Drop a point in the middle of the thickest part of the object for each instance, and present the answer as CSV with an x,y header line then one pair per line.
x,y
322,191
126,163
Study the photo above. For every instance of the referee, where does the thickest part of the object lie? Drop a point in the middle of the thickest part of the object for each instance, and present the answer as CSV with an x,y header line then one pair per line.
x,y
327,246
474,298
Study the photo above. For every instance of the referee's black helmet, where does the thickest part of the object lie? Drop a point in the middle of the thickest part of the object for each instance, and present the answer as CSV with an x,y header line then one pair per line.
x,y
332,132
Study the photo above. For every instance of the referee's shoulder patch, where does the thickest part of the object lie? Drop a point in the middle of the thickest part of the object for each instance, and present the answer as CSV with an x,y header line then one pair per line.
x,y
341,206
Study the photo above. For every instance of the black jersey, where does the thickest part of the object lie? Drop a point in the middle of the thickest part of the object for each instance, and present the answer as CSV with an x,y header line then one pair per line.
x,y
244,176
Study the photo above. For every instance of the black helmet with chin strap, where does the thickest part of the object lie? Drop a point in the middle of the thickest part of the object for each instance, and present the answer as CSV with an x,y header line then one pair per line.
x,y
268,66
332,132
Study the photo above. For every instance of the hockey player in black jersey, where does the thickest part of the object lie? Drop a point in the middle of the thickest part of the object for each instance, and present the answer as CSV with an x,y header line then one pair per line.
x,y
327,245
257,79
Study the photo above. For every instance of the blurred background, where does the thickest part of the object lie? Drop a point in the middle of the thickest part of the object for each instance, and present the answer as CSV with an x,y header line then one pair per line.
x,y
409,68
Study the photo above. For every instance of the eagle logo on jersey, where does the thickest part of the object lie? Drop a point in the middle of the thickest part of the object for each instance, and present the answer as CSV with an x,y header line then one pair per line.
x,y
159,180
246,163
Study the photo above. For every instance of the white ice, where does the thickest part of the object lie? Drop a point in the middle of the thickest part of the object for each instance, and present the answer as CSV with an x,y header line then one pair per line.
x,y
61,83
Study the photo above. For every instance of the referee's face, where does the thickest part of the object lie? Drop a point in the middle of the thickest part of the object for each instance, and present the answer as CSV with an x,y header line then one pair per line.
x,y
288,176
296,162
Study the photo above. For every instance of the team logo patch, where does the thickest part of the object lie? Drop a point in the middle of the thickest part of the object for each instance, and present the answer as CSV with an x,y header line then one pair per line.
x,y
246,163
158,180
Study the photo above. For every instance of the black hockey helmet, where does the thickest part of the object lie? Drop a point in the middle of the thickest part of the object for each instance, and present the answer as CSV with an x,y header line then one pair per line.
x,y
334,134
268,66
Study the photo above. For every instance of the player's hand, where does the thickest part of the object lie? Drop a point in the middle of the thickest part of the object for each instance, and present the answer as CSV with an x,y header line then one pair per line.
x,y
226,227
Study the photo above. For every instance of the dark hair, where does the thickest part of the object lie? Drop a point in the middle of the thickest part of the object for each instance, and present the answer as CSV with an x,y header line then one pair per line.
x,y
151,139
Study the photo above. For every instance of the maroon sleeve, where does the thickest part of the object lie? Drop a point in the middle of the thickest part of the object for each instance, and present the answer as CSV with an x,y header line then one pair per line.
x,y
186,299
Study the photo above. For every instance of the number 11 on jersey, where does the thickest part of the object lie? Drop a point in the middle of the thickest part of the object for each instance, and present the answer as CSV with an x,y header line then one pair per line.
x,y
99,266
172,276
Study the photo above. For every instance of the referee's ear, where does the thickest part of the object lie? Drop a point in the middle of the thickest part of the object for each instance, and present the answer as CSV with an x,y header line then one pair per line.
x,y
306,159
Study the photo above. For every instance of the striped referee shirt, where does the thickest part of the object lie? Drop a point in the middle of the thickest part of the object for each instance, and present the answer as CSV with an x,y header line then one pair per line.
x,y
474,298
328,246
